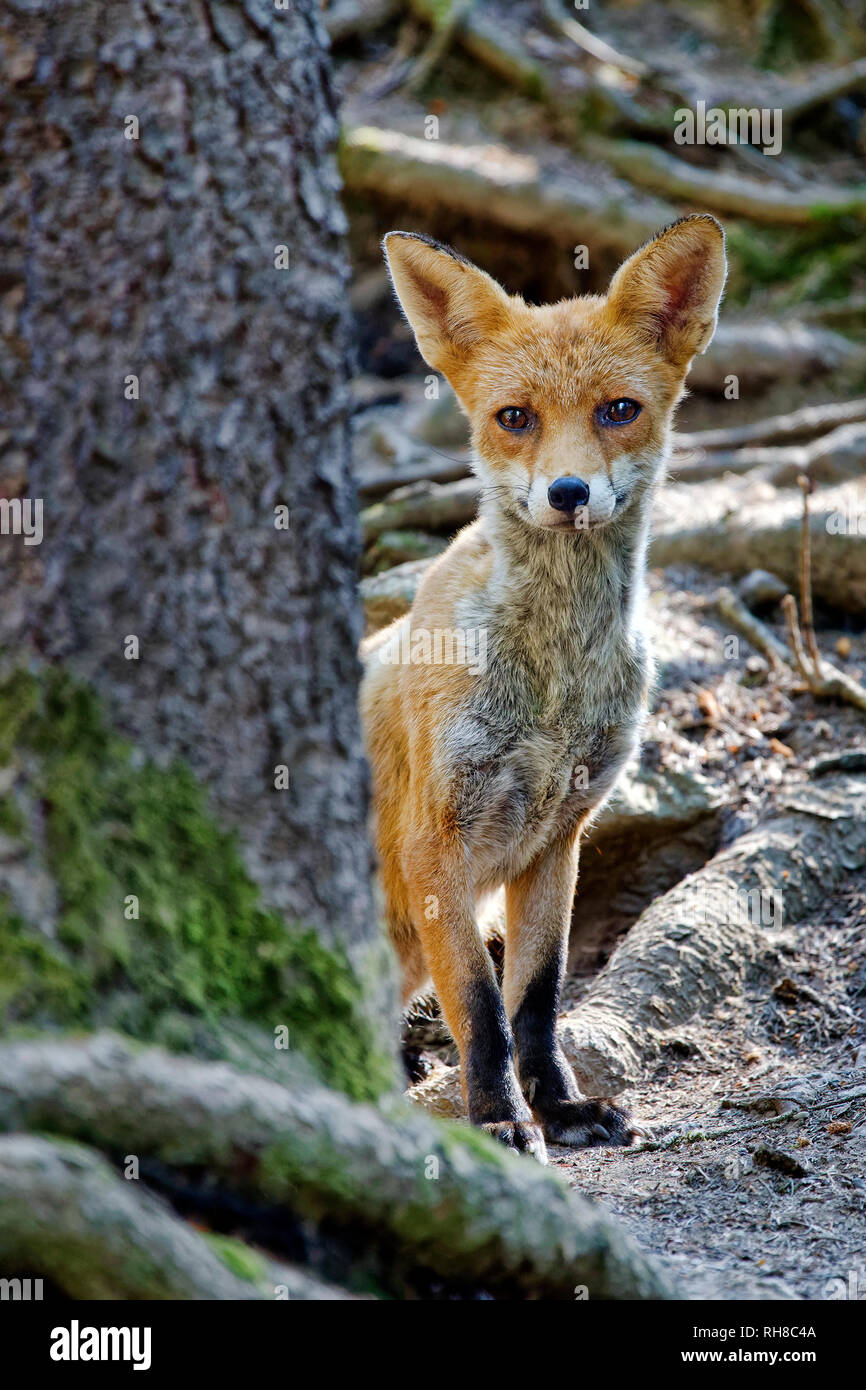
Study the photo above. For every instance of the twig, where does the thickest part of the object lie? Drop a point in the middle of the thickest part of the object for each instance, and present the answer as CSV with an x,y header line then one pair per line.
x,y
823,679
444,31
805,486
591,44
759,634
699,1136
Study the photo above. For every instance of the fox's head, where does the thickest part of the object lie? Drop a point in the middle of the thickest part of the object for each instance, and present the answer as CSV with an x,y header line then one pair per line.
x,y
570,404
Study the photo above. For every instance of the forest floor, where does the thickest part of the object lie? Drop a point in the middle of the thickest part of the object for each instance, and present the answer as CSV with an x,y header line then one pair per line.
x,y
777,1212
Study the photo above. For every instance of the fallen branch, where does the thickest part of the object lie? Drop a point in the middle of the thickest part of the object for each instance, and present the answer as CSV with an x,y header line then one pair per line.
x,y
762,638
762,350
826,86
737,525
389,595
807,423
829,459
444,1196
724,190
346,19
445,28
427,506
693,946
431,470
487,40
392,548
65,1215
590,43
498,185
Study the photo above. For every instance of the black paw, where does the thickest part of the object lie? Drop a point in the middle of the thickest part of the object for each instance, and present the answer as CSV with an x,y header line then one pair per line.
x,y
589,1124
522,1135
415,1065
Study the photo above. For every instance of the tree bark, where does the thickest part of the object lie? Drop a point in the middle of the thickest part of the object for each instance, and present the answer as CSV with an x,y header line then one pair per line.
x,y
167,388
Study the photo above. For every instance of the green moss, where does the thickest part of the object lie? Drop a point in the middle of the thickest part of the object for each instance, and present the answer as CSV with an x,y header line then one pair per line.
x,y
12,822
37,982
239,1258
804,263
202,948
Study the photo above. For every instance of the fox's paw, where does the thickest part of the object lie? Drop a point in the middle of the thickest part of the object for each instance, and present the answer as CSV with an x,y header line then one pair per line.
x,y
522,1135
589,1124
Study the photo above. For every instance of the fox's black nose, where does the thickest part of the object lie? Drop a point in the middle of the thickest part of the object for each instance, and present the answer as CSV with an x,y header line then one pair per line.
x,y
567,493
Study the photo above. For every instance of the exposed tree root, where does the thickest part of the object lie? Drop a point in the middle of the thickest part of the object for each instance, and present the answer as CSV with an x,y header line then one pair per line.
x,y
445,1197
693,945
67,1216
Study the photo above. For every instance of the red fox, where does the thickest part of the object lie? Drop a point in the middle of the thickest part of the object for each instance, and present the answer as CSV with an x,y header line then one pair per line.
x,y
485,771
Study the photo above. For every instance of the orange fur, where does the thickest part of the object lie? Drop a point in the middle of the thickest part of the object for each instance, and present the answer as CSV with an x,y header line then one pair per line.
x,y
473,771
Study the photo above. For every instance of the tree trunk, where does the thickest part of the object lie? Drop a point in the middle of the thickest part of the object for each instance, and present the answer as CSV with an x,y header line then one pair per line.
x,y
168,388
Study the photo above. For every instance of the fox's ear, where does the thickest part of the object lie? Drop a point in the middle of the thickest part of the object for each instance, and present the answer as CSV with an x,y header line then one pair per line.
x,y
451,305
669,290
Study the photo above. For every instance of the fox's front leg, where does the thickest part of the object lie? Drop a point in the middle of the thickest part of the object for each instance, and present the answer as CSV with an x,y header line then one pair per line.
x,y
537,922
443,913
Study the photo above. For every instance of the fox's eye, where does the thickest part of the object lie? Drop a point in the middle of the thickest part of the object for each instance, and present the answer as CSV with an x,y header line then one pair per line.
x,y
620,412
513,418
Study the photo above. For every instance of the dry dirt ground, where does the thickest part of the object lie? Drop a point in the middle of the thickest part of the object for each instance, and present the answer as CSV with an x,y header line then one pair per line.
x,y
777,1211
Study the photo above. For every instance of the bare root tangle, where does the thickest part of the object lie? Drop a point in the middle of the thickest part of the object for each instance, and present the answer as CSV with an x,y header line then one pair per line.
x,y
66,1215
446,1198
694,944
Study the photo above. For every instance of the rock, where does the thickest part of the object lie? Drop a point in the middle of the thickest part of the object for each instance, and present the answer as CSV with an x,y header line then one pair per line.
x,y
399,547
388,596
760,589
443,425
766,1157
440,1093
